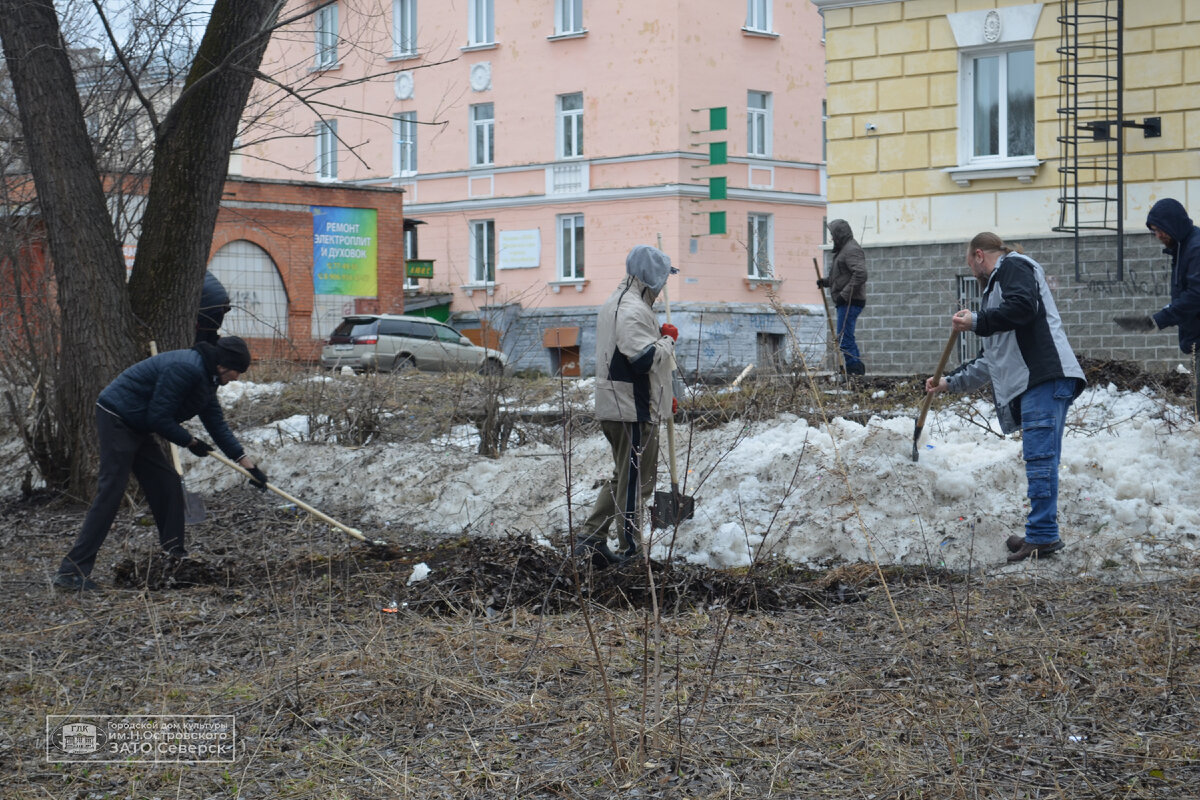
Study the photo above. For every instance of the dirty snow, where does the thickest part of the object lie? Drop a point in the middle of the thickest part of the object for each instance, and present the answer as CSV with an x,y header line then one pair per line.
x,y
818,494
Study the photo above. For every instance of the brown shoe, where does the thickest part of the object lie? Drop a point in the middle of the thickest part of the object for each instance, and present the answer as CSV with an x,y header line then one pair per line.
x,y
1015,543
1036,550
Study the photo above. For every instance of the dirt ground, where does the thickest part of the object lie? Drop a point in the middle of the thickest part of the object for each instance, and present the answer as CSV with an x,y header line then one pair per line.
x,y
513,671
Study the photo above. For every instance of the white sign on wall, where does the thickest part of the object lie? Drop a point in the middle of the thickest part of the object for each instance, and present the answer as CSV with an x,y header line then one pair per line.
x,y
519,249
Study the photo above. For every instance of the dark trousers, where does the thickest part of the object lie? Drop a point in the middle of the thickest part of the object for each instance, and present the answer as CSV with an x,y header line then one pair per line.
x,y
635,461
124,450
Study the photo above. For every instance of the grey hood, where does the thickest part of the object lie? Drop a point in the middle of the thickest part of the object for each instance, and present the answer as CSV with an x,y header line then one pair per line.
x,y
841,232
649,265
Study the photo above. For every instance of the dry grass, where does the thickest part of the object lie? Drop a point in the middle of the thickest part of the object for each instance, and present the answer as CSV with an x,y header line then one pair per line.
x,y
996,688
485,683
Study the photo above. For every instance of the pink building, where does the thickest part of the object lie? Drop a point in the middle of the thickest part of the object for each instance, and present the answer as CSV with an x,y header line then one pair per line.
x,y
539,140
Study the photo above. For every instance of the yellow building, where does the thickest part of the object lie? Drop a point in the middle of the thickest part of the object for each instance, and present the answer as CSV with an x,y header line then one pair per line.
x,y
1057,125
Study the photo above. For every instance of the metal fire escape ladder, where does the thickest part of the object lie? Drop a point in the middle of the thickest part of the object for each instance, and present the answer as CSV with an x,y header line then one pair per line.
x,y
1091,118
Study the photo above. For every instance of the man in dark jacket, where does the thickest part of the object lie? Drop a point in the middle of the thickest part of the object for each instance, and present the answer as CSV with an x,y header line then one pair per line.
x,y
847,282
1033,372
1170,223
154,396
214,305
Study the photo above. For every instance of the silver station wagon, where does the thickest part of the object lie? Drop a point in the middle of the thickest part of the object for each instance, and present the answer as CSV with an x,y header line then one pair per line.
x,y
391,343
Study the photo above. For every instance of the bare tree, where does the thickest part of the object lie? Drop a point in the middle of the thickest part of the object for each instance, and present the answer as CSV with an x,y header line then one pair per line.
x,y
104,322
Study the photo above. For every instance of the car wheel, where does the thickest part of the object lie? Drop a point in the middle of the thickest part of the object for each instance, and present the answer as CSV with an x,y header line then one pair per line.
x,y
404,363
491,367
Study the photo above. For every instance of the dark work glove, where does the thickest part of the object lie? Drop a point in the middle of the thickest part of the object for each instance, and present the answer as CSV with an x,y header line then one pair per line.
x,y
822,283
258,479
1136,324
199,448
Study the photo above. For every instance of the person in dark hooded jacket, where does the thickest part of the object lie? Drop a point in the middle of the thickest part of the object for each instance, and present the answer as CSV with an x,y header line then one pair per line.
x,y
1170,223
214,305
847,282
153,397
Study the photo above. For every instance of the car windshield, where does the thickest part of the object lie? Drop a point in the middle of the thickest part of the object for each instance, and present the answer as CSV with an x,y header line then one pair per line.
x,y
351,328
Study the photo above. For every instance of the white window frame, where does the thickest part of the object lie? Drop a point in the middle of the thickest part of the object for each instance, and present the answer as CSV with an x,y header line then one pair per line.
x,y
410,252
481,22
760,241
758,15
759,122
571,248
327,149
404,137
483,251
568,17
570,120
325,22
483,132
966,107
404,28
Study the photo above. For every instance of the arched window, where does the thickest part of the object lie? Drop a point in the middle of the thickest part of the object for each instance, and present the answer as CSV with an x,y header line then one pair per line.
x,y
256,292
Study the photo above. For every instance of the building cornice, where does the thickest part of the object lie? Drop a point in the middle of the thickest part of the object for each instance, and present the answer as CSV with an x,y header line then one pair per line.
x,y
826,5
607,195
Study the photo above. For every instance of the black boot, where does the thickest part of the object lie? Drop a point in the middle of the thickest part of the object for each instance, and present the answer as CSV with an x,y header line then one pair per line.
x,y
598,551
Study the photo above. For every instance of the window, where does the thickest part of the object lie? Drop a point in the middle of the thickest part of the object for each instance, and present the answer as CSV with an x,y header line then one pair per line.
x,y
568,16
758,124
570,125
404,27
758,246
483,251
404,158
997,114
758,15
481,22
483,126
570,247
824,131
410,252
326,23
326,134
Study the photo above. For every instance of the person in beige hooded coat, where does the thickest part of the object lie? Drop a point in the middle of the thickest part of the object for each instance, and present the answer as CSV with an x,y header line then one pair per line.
x,y
635,358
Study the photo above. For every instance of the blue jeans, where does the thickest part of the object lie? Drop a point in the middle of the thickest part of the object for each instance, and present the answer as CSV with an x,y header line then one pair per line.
x,y
1043,416
847,317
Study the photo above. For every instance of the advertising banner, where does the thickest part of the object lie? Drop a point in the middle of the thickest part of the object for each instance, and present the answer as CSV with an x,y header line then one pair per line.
x,y
345,251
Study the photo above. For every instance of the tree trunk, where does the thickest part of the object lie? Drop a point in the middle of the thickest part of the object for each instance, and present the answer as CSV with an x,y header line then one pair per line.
x,y
97,327
190,161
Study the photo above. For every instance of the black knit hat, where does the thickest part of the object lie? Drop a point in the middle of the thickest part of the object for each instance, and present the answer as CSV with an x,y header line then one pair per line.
x,y
233,353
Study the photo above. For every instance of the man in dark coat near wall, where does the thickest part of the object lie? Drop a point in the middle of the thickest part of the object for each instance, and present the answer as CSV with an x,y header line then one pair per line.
x,y
847,282
1180,238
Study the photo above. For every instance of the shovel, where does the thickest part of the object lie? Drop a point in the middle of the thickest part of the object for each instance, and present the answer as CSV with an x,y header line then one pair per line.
x,y
673,507
353,532
838,361
937,376
193,504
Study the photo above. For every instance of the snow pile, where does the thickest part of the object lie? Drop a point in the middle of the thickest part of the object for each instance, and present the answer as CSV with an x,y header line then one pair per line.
x,y
814,494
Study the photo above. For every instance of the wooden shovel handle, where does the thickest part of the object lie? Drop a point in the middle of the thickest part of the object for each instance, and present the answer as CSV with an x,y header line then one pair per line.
x,y
357,534
937,376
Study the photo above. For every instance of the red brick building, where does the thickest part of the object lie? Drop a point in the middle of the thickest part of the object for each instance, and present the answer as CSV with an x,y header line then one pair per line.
x,y
267,250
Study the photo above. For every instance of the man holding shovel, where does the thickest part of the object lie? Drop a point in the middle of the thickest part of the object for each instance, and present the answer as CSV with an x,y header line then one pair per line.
x,y
155,396
1034,375
635,357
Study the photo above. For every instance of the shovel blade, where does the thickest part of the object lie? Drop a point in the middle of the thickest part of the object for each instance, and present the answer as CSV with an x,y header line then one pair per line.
x,y
671,508
193,508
